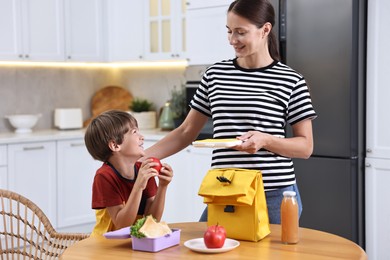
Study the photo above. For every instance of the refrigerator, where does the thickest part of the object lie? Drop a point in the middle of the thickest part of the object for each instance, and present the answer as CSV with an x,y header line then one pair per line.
x,y
325,41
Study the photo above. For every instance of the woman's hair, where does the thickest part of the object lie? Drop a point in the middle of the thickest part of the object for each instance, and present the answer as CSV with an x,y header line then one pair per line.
x,y
258,12
106,127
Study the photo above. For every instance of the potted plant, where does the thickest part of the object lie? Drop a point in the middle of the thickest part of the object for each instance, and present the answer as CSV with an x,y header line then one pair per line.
x,y
143,111
178,105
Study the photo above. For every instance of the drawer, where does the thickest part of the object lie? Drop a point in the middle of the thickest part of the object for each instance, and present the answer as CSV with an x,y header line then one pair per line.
x,y
3,155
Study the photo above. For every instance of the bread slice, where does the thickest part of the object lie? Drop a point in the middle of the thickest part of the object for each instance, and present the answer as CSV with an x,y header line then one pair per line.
x,y
153,229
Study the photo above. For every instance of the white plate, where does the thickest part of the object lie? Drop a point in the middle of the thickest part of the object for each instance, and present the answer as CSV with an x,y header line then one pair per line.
x,y
198,245
216,143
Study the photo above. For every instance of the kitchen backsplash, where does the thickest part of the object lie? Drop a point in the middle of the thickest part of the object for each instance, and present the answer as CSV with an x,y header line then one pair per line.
x,y
27,90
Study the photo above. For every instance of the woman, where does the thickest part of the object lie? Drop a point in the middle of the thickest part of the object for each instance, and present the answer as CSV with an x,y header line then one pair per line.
x,y
251,97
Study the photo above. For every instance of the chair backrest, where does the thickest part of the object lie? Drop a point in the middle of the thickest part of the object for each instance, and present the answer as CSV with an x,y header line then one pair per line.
x,y
26,232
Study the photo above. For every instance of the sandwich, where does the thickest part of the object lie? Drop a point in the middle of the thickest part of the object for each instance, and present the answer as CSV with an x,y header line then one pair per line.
x,y
150,228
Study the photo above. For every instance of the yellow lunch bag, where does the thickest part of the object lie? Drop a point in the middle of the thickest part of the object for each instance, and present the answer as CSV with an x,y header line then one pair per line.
x,y
236,201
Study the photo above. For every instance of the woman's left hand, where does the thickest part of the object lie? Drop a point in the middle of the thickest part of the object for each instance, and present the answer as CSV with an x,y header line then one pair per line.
x,y
252,141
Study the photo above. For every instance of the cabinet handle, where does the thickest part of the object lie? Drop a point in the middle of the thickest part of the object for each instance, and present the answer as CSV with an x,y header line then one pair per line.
x,y
33,148
369,150
69,57
20,56
27,56
368,165
76,144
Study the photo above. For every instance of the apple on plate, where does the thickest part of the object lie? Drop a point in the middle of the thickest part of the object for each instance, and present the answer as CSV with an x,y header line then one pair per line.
x,y
215,236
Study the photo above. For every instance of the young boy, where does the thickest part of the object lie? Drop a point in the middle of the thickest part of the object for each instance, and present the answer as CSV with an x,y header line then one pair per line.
x,y
121,193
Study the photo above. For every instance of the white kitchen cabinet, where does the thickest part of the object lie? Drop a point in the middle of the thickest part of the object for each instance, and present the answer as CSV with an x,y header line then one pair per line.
x,y
378,90
84,30
75,170
32,173
165,29
207,38
200,161
377,209
31,30
377,174
125,30
189,167
3,167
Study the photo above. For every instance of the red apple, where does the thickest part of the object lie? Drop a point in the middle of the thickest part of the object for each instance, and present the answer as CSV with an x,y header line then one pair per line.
x,y
158,166
215,236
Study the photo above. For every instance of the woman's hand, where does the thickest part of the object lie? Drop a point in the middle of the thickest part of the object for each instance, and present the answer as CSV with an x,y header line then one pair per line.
x,y
300,145
165,175
252,141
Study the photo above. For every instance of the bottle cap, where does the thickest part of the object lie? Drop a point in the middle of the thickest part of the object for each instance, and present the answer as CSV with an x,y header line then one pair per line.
x,y
289,193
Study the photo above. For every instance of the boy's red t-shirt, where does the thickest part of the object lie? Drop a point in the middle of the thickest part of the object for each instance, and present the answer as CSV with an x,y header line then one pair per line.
x,y
111,189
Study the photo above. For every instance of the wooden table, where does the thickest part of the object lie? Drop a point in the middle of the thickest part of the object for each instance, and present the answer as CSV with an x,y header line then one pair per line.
x,y
313,244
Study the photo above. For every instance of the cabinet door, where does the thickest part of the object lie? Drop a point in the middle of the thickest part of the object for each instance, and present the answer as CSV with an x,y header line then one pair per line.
x,y
200,161
10,28
377,210
84,30
3,167
125,31
378,91
32,171
207,38
165,29
3,178
32,30
76,170
42,33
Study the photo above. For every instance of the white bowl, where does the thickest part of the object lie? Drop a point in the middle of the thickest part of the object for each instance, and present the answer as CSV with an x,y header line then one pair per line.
x,y
23,123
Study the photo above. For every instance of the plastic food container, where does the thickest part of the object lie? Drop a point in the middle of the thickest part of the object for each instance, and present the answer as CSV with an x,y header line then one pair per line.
x,y
156,244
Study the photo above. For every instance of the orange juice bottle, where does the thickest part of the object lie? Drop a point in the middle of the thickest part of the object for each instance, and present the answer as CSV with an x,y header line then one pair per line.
x,y
289,218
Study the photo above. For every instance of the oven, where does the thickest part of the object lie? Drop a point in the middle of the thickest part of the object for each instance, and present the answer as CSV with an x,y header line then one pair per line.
x,y
207,130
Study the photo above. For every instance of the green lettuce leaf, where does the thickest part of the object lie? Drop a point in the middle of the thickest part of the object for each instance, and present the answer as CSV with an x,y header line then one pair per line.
x,y
134,229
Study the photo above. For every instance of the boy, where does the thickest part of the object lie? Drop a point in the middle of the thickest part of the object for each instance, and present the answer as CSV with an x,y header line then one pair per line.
x,y
121,192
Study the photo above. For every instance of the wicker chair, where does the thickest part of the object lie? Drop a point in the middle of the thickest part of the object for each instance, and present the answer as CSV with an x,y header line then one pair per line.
x,y
26,232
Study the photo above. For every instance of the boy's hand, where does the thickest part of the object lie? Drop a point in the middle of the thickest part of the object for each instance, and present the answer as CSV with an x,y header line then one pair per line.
x,y
165,175
145,172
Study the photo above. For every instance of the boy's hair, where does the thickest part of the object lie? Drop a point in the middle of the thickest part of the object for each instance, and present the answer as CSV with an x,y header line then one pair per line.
x,y
109,126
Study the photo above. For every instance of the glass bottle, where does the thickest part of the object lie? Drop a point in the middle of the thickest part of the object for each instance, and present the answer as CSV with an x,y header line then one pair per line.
x,y
289,217
166,118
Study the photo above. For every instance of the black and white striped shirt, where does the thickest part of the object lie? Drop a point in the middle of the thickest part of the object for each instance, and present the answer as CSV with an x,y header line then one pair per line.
x,y
241,100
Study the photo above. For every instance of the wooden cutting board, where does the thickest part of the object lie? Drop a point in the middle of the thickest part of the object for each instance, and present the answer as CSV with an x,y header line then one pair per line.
x,y
107,98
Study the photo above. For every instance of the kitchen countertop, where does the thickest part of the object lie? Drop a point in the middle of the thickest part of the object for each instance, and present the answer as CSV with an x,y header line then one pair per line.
x,y
54,135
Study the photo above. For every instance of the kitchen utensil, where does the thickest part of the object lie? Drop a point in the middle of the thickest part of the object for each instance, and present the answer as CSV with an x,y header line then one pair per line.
x,y
23,123
107,98
217,143
198,245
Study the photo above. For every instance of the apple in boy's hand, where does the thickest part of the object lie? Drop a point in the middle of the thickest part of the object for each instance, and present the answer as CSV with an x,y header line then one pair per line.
x,y
157,167
154,159
215,236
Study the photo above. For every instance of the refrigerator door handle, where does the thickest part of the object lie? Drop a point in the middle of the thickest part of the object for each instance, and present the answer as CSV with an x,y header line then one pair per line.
x,y
282,29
